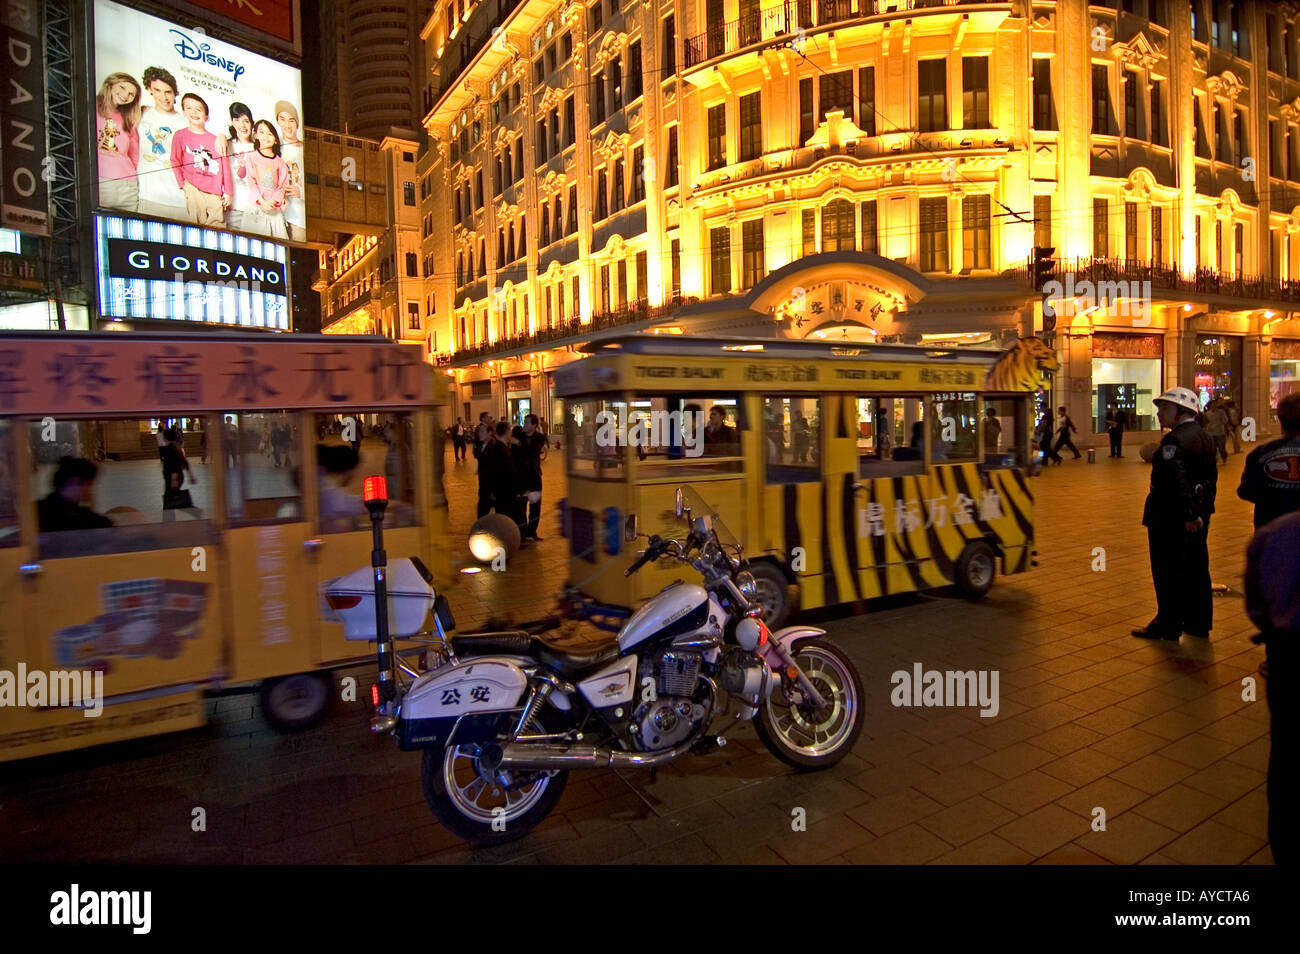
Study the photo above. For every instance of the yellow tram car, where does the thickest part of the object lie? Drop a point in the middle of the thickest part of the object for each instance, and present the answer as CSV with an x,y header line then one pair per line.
x,y
849,472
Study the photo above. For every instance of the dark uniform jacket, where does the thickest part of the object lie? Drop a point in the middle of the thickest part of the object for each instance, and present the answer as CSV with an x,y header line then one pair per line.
x,y
1184,478
528,460
1271,479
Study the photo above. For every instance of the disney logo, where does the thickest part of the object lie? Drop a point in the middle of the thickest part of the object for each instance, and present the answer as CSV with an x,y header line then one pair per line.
x,y
190,50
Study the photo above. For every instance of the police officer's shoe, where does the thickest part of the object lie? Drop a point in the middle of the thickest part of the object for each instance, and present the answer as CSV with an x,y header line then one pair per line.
x,y
1152,632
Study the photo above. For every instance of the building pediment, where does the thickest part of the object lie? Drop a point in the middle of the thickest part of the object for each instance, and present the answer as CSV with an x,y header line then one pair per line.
x,y
1291,111
550,99
610,47
1139,51
1225,86
613,146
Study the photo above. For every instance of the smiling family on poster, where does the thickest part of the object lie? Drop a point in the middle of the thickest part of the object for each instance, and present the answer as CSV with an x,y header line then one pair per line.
x,y
194,150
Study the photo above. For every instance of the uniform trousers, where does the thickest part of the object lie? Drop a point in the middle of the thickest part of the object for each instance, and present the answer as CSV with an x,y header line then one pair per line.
x,y
1180,570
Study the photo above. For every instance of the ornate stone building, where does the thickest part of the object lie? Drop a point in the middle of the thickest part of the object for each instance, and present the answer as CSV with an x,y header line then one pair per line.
x,y
869,170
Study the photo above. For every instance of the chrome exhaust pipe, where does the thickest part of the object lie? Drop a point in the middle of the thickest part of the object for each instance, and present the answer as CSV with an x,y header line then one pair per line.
x,y
547,758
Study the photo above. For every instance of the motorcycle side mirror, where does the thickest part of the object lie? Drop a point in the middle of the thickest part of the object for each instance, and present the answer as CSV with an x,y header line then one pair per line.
x,y
680,503
630,528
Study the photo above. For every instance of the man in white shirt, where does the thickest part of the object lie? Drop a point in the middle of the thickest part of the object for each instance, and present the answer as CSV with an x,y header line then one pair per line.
x,y
159,194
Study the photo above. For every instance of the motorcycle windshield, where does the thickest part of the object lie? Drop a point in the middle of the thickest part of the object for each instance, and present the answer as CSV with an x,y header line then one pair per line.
x,y
699,507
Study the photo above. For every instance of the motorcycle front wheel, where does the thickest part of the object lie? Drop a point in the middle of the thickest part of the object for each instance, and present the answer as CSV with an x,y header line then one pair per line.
x,y
483,812
810,740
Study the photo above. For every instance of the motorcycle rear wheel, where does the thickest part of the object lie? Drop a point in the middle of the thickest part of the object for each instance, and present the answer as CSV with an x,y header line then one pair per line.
x,y
483,814
794,735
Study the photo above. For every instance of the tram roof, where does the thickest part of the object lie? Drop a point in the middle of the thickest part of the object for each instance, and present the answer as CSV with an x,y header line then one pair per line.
x,y
802,349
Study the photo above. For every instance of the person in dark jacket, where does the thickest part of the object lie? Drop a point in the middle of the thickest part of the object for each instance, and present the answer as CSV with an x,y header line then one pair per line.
x,y
1115,431
62,509
1270,478
1064,428
1184,478
529,450
498,483
1273,604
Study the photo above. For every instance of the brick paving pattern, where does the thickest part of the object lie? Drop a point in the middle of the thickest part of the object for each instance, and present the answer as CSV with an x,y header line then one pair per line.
x,y
1157,735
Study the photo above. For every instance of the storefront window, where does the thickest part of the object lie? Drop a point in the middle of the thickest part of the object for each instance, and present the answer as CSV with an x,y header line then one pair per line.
x,y
1127,376
1283,372
1218,367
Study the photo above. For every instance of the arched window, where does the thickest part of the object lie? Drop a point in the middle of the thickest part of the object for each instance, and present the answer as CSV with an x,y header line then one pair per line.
x,y
838,227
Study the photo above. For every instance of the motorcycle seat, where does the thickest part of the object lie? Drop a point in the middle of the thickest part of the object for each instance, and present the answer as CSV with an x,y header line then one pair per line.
x,y
571,663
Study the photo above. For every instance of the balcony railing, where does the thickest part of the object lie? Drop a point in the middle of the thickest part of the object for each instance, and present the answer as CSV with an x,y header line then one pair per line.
x,y
789,19
1165,278
566,331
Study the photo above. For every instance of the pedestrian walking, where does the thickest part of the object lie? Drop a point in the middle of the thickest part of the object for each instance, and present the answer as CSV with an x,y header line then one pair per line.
x,y
498,484
1216,425
1234,423
1273,604
992,430
231,436
483,431
1270,478
1045,439
458,439
1115,421
1184,477
1064,428
531,451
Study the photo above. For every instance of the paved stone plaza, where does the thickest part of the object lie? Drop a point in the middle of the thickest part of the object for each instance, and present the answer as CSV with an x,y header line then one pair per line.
x,y
1155,735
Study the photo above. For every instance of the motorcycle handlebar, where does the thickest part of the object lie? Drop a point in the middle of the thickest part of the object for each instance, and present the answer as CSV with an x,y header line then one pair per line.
x,y
651,553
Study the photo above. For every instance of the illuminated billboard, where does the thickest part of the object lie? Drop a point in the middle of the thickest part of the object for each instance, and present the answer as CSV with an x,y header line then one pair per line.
x,y
194,129
165,271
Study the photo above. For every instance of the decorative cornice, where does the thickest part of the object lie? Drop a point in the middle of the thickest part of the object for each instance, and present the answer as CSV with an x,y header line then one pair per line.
x,y
553,182
1227,205
1139,51
550,99
1291,111
613,146
610,47
1225,86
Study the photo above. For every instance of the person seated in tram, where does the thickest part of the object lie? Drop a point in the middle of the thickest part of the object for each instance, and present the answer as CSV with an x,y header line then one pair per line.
x,y
340,510
62,509
719,437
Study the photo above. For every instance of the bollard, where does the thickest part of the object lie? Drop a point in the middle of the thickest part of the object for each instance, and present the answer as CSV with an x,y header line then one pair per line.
x,y
1092,455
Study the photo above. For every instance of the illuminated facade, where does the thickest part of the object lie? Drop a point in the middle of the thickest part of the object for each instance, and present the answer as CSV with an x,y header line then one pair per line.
x,y
869,170
371,283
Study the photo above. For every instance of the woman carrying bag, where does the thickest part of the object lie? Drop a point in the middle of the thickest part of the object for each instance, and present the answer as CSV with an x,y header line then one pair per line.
x,y
175,467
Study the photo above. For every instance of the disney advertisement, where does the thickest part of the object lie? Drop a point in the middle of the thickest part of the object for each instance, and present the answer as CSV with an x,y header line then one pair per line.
x,y
194,129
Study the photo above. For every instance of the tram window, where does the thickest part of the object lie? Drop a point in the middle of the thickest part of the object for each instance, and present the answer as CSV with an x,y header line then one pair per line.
x,y
891,440
353,444
669,432
590,452
263,469
8,488
118,486
954,426
1004,426
792,439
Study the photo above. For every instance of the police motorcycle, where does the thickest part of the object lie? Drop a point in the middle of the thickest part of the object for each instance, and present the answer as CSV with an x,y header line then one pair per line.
x,y
503,717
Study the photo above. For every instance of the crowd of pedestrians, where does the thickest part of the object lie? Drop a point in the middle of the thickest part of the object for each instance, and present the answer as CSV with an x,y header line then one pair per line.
x,y
509,467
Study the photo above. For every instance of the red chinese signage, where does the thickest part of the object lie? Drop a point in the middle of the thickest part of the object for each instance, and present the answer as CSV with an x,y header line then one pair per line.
x,y
126,373
269,16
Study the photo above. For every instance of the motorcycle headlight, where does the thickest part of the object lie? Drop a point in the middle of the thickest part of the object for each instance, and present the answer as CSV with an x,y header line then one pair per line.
x,y
747,585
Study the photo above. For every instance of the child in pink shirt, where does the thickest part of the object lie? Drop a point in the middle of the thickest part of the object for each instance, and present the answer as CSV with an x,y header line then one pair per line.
x,y
199,161
270,178
117,113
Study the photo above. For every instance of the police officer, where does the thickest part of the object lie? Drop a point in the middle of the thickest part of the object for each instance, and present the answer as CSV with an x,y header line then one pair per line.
x,y
1271,478
1184,475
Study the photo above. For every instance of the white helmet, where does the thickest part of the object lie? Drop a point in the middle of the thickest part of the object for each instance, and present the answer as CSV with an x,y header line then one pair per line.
x,y
1182,397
